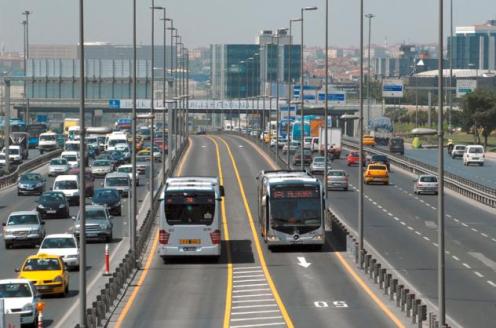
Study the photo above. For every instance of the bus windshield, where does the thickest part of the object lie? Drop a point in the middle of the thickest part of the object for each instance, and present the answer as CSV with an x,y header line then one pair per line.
x,y
190,208
295,206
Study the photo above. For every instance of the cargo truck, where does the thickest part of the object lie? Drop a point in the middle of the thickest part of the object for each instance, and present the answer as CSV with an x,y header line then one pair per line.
x,y
333,141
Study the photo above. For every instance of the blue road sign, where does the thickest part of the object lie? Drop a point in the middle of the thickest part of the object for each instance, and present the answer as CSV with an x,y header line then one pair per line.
x,y
114,103
333,96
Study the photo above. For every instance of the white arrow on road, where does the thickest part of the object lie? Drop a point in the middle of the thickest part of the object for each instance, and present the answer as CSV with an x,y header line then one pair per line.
x,y
303,262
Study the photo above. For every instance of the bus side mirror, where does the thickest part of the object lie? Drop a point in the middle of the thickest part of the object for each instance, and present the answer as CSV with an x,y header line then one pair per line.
x,y
221,189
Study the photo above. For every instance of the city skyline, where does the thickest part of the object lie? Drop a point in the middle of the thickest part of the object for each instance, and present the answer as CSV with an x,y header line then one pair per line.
x,y
110,21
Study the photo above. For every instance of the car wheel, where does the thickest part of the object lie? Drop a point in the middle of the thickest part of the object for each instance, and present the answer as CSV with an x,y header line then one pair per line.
x,y
8,245
481,164
345,189
109,238
66,291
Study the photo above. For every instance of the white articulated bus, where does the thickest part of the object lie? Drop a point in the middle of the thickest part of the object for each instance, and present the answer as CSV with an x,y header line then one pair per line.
x,y
291,208
190,217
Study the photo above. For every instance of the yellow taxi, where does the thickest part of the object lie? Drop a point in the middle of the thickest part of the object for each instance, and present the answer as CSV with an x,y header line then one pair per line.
x,y
144,152
376,172
368,140
47,273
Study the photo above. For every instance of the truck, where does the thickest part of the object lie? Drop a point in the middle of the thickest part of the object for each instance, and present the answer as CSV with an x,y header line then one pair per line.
x,y
68,122
296,130
333,141
47,142
21,139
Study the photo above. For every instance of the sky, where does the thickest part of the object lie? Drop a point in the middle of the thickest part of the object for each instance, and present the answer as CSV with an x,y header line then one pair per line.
x,y
203,22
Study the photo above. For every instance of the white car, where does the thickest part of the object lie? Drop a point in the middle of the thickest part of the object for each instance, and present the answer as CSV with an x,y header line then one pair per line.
x,y
69,186
63,245
128,168
72,158
426,184
58,166
20,297
15,154
101,167
47,142
457,151
473,154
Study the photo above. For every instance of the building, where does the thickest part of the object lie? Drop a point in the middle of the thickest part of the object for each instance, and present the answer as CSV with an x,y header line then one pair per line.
x,y
411,59
245,70
474,47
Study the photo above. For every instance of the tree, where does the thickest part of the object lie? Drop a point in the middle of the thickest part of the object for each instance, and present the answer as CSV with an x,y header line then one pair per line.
x,y
479,113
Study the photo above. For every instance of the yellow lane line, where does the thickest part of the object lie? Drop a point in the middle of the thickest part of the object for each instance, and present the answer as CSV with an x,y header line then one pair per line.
x,y
146,269
261,256
225,228
343,262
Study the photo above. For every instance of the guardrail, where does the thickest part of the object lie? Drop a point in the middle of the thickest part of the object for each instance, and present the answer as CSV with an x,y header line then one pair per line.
x,y
473,190
97,313
373,265
10,179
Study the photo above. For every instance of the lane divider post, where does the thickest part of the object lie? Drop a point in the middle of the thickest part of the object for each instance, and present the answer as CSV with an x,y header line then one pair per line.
x,y
106,272
40,306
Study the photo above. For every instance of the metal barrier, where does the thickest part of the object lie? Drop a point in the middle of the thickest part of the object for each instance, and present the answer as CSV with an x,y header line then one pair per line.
x,y
411,304
97,314
473,190
11,178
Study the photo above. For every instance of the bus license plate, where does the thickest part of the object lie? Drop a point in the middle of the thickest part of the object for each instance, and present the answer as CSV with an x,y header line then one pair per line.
x,y
189,241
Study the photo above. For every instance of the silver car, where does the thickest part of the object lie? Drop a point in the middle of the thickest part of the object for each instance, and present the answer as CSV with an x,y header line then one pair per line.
x,y
58,166
337,179
118,181
98,223
23,228
457,151
426,184
101,167
318,165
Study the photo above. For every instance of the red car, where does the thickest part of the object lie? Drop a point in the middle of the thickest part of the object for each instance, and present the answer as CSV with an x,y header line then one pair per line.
x,y
353,158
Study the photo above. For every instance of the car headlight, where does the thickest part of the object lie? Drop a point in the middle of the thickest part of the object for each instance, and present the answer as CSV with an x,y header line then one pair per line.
x,y
41,206
28,307
61,205
39,184
58,279
103,226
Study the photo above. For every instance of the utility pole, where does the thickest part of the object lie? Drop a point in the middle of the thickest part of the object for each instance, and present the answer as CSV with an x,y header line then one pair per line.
x,y
7,126
26,57
369,16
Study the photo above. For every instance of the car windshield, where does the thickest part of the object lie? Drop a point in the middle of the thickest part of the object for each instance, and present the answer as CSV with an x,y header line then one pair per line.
x,y
106,195
70,158
116,141
30,177
23,219
51,197
44,264
15,290
379,158
48,138
377,167
190,208
126,169
96,214
65,185
460,147
117,182
101,163
295,206
58,161
319,160
72,146
62,242
13,151
91,140
396,142
428,179
336,174
475,150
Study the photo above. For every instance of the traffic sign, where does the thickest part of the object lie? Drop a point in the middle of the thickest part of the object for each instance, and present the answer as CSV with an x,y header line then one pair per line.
x,y
464,87
114,103
335,97
392,88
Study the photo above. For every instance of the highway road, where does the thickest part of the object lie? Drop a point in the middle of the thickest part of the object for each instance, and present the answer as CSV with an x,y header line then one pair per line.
x,y
249,286
61,308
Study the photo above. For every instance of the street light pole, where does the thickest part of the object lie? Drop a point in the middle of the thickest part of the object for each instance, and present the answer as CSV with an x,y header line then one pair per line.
x,y
450,92
164,96
360,164
26,57
369,16
290,86
134,199
170,116
82,175
326,88
440,206
302,81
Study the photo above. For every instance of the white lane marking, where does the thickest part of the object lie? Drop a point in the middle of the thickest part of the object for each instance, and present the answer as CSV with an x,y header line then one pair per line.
x,y
258,318
247,276
455,258
466,265
390,214
484,235
410,228
493,240
252,301
261,325
253,306
491,283
475,230
427,238
449,215
254,312
303,262
397,219
435,244
252,290
249,267
379,206
248,280
456,220
403,223
247,271
241,146
418,233
464,224
254,295
478,274
250,285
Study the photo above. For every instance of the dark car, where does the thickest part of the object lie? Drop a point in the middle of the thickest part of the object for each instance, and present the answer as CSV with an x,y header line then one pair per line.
x,y
379,159
118,157
307,157
31,183
53,204
397,145
108,197
89,180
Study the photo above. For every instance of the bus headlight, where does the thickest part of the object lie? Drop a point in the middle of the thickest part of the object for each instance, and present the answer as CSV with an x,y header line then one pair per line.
x,y
318,237
271,237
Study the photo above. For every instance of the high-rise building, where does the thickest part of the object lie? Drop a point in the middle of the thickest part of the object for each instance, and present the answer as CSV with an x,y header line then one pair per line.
x,y
245,70
474,47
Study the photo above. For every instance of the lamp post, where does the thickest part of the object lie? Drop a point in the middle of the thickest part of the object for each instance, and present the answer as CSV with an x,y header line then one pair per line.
x,y
369,16
134,199
290,93
360,149
302,81
239,94
82,175
326,104
170,116
25,23
450,94
164,96
277,89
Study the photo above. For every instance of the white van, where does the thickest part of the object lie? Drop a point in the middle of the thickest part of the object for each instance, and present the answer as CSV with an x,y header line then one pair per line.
x,y
114,139
72,158
190,219
474,154
47,141
69,186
